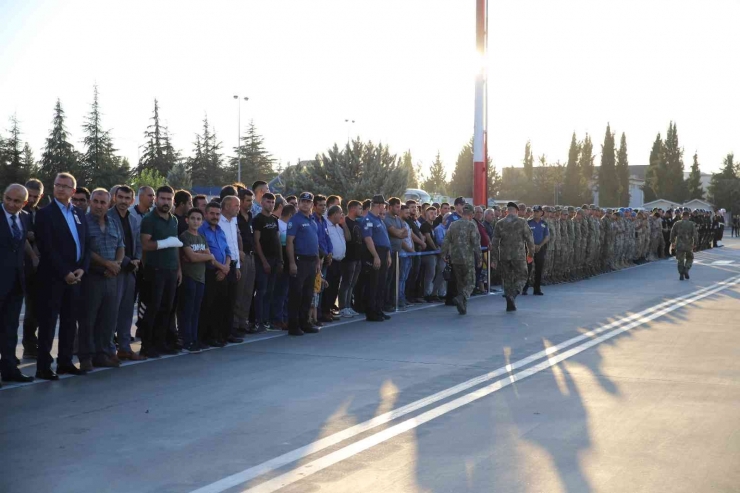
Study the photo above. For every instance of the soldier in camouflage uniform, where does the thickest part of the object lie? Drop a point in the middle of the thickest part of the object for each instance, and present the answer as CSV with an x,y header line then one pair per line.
x,y
511,241
567,237
595,253
462,247
552,249
684,238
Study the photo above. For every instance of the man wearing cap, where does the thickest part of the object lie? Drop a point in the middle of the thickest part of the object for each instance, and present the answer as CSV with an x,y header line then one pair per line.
x,y
512,239
302,246
541,237
457,213
461,247
684,238
377,260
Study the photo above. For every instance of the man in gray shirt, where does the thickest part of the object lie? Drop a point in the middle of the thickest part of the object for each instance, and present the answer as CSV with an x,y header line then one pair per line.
x,y
396,233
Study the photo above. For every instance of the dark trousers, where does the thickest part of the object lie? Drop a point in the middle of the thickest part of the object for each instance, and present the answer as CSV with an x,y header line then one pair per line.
x,y
359,302
60,301
161,285
279,308
390,279
301,292
265,289
188,315
98,316
412,281
375,282
10,313
217,309
538,263
329,296
451,288
30,323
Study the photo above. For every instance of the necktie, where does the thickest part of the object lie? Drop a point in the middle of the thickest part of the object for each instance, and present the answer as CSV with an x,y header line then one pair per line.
x,y
17,235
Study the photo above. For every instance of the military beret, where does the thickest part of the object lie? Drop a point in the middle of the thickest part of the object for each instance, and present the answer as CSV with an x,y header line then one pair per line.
x,y
584,206
467,208
512,204
571,208
592,207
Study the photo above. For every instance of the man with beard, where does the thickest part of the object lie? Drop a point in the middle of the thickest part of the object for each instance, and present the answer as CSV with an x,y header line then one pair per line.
x,y
511,241
162,272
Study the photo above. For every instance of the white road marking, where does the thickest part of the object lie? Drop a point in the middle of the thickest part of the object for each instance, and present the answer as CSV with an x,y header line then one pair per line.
x,y
624,324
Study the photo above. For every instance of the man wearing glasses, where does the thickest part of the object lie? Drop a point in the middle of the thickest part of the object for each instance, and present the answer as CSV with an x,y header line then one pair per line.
x,y
81,199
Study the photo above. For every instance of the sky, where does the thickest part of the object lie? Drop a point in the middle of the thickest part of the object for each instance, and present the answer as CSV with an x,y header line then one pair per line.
x,y
403,70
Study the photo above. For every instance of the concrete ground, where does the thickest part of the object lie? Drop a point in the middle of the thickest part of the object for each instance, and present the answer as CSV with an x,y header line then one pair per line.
x,y
639,391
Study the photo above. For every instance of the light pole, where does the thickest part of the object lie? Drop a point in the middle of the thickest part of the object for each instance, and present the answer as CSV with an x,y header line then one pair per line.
x,y
349,122
239,139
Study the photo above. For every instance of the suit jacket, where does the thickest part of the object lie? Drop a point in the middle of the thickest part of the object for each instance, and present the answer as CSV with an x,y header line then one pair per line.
x,y
56,244
135,222
12,255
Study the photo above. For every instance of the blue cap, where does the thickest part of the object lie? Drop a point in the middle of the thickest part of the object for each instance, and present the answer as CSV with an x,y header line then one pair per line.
x,y
306,196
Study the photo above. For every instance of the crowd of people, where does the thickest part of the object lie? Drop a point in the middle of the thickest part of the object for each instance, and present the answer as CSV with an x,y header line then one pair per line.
x,y
203,272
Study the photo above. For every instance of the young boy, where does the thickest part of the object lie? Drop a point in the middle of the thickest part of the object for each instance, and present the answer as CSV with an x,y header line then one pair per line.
x,y
196,253
318,286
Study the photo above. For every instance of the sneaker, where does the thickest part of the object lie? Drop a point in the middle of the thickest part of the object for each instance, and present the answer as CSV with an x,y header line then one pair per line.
x,y
352,312
193,347
346,313
259,328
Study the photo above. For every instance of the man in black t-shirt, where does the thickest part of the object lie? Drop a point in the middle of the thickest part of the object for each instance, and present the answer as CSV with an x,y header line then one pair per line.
x,y
352,263
667,225
269,259
245,286
414,292
429,262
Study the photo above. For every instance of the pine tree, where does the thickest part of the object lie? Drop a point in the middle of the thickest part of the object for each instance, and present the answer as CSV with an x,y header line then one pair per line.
x,y
99,167
724,189
673,186
28,161
13,168
608,182
407,162
655,171
461,182
179,176
586,165
573,182
436,182
159,154
494,181
206,163
623,173
257,163
148,177
59,155
528,161
695,191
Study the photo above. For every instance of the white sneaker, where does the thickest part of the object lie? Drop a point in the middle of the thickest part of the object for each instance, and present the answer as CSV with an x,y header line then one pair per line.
x,y
352,312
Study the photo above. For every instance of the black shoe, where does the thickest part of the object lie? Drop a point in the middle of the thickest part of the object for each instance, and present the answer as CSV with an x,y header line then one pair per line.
x,y
150,353
215,343
46,375
374,318
193,347
524,292
234,340
70,370
459,305
539,293
510,305
203,345
295,332
682,277
384,315
18,377
30,353
168,350
259,329
687,275
310,330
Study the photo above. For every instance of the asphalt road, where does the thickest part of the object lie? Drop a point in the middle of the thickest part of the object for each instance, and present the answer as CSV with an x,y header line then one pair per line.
x,y
627,382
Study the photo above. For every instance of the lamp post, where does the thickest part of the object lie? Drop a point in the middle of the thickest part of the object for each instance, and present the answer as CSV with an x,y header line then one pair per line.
x,y
349,122
239,139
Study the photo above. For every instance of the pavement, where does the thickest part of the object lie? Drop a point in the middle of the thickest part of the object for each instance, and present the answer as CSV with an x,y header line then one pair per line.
x,y
627,382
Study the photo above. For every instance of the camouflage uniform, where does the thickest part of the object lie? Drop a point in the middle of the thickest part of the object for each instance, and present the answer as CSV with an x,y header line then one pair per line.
x,y
510,236
462,246
685,237
552,247
609,242
565,234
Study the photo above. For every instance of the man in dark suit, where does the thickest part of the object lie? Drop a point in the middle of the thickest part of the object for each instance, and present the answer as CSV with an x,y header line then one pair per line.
x,y
61,233
13,229
30,342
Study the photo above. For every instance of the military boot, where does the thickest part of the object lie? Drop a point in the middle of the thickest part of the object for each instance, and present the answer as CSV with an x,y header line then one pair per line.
x,y
510,305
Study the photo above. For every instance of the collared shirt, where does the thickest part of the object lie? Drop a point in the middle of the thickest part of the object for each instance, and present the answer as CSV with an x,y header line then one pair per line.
x,y
247,232
128,238
305,232
338,243
217,243
539,229
230,230
104,243
452,218
72,219
18,221
374,228
325,246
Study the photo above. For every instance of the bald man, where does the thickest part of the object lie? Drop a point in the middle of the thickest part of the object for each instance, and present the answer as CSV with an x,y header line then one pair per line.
x,y
13,228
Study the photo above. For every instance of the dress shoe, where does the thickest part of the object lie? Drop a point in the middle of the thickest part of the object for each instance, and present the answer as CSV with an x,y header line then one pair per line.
x,y
129,356
168,350
104,361
311,330
215,343
385,316
46,375
70,370
374,318
30,353
295,332
149,353
86,364
18,377
234,340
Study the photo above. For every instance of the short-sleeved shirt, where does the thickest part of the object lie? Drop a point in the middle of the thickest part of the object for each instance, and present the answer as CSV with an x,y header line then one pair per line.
x,y
374,228
104,243
269,235
182,224
394,222
305,232
160,229
246,232
417,231
427,228
539,229
354,246
194,270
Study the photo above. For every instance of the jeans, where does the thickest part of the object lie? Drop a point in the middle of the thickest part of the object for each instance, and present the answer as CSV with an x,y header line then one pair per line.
x,y
188,312
265,288
279,309
440,286
126,295
301,292
98,315
429,263
405,264
390,280
350,272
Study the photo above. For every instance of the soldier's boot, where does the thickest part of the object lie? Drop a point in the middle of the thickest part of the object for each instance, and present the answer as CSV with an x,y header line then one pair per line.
x,y
510,305
458,300
682,277
686,275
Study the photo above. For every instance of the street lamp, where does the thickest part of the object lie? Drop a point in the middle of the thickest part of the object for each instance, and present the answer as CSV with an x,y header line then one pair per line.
x,y
349,122
239,139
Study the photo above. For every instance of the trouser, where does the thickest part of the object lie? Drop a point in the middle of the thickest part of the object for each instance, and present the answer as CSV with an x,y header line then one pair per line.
x,y
667,240
10,313
30,322
126,288
161,285
536,265
301,292
59,301
404,269
685,259
411,289
359,302
390,279
98,316
465,278
513,276
244,293
329,296
375,281
265,288
429,266
188,314
279,309
217,308
451,288
440,285
350,272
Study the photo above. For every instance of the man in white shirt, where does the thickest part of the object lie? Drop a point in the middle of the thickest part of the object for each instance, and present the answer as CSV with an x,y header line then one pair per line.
x,y
334,227
227,222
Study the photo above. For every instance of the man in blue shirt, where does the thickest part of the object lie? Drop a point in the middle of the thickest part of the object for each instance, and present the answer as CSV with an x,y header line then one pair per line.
x,y
377,260
541,235
326,249
215,312
457,213
302,246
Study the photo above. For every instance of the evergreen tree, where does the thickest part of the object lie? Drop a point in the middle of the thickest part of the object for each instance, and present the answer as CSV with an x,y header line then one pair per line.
x,y
724,189
407,162
436,181
623,173
28,161
528,161
695,191
573,181
206,164
358,170
158,152
59,155
586,165
148,177
257,163
461,183
673,186
608,182
13,168
100,166
179,176
655,171
494,181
